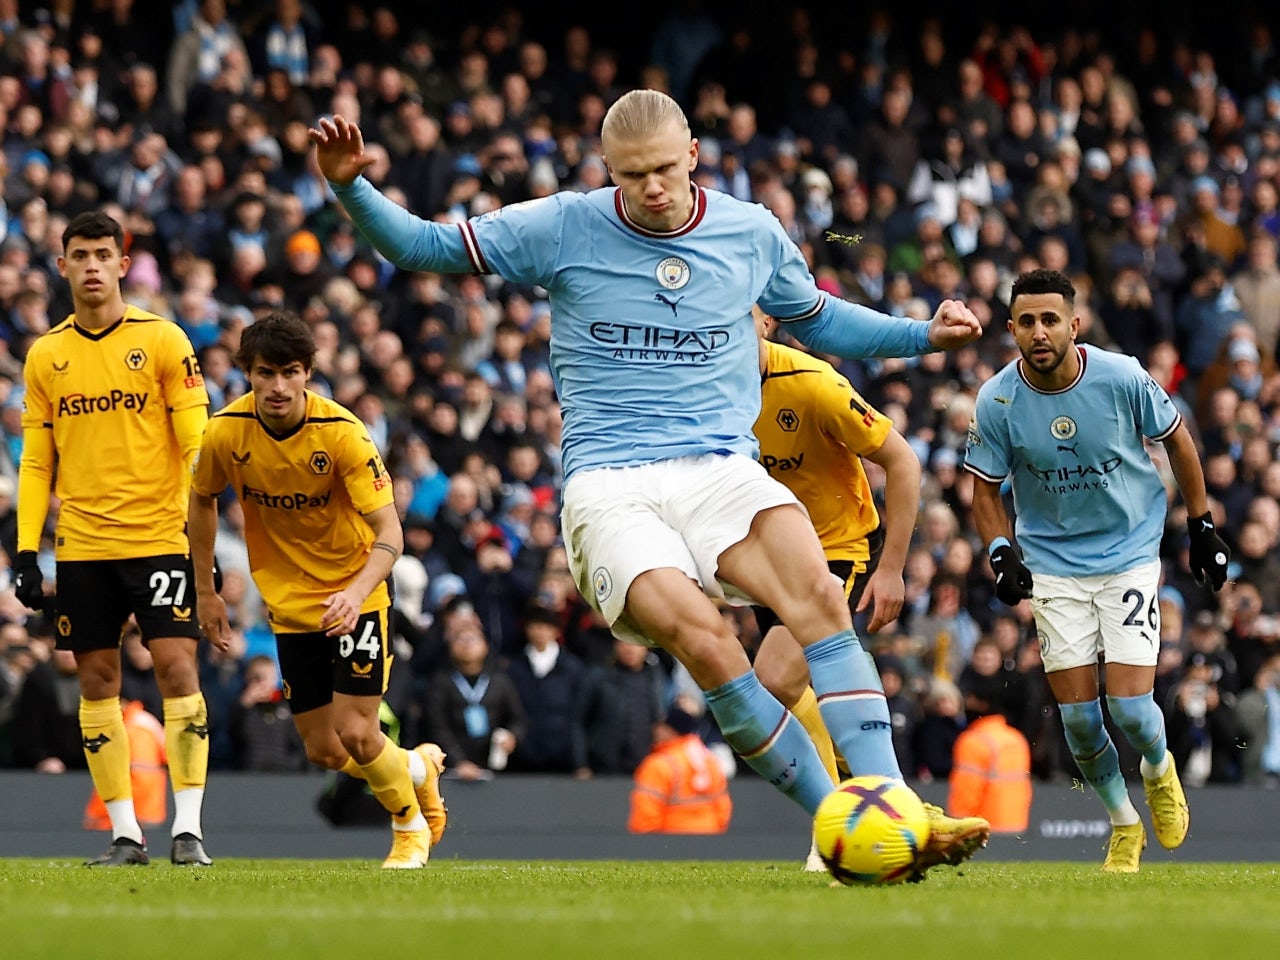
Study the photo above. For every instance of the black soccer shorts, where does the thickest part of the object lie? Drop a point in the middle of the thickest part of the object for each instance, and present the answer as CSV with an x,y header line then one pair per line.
x,y
314,667
95,598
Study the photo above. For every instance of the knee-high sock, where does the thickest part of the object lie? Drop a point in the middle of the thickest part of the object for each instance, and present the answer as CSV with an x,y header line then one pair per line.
x,y
771,741
186,741
853,704
1096,756
388,777
106,748
352,769
810,717
1142,723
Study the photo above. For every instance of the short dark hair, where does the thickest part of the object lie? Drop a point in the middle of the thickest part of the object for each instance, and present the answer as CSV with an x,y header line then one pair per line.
x,y
278,339
1044,281
93,225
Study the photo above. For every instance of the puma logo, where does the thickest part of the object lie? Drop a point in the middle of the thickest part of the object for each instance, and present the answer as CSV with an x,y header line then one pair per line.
x,y
201,730
93,745
1069,448
670,303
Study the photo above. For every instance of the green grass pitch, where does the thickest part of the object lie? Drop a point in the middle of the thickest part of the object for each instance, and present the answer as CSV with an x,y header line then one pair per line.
x,y
283,910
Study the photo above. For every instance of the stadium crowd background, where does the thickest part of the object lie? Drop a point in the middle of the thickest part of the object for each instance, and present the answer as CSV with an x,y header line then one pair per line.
x,y
912,158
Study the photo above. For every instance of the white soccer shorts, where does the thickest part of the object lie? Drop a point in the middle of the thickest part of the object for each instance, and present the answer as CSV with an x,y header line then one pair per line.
x,y
622,521
1115,614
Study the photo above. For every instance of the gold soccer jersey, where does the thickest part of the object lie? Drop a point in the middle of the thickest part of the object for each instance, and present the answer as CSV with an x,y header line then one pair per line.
x,y
304,496
107,396
812,428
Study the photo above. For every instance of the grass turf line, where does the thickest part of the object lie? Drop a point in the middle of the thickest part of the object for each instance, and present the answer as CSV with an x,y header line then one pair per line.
x,y
616,910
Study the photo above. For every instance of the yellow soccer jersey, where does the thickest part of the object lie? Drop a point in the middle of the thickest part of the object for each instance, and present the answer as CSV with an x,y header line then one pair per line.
x,y
812,428
304,497
108,396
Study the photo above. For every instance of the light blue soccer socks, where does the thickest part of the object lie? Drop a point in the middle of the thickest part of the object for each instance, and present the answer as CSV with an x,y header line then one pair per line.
x,y
1143,725
853,704
772,742
1097,758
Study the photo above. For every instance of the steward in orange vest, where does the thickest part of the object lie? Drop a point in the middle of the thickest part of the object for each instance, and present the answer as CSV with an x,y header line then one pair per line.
x,y
991,766
680,786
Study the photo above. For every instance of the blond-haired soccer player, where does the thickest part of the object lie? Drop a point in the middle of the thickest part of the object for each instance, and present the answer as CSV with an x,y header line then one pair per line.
x,y
654,356
322,532
814,429
114,399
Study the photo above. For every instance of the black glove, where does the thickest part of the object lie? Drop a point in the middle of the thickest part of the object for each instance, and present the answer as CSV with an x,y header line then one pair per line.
x,y
1209,555
1013,579
28,581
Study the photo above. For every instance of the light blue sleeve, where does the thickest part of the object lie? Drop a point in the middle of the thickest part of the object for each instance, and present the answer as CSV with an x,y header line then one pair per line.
x,y
1156,414
987,444
408,241
853,331
522,241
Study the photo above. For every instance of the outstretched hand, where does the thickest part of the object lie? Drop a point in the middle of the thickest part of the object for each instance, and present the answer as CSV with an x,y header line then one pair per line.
x,y
953,326
339,149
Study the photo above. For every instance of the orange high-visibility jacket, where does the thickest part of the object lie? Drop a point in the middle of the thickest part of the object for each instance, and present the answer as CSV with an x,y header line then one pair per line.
x,y
148,771
991,775
680,788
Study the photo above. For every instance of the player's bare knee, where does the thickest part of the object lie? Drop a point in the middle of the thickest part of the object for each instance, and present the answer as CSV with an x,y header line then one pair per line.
x,y
781,667
713,656
362,741
329,755
99,675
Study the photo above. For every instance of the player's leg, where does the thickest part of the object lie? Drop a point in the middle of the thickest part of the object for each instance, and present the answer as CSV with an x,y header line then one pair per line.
x,y
360,673
670,609
1070,641
1129,610
91,609
160,595
782,668
780,562
640,574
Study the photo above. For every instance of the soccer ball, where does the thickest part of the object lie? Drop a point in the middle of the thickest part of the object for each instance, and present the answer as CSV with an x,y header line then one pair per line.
x,y
869,830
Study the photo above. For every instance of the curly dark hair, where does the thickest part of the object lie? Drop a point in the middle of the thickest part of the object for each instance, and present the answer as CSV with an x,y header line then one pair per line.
x,y
278,339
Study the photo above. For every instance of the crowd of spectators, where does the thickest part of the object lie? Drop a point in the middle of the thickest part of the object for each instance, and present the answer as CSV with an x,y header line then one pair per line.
x,y
909,161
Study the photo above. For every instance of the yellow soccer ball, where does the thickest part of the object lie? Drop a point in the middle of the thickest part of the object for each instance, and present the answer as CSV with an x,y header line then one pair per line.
x,y
869,830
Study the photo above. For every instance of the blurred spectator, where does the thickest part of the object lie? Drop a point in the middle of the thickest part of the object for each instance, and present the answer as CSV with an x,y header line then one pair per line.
x,y
938,729
198,55
991,775
262,729
46,719
904,711
548,679
471,707
1204,734
1258,713
619,703
680,787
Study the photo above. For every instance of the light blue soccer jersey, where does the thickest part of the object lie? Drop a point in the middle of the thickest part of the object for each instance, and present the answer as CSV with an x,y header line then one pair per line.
x,y
1086,495
653,348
